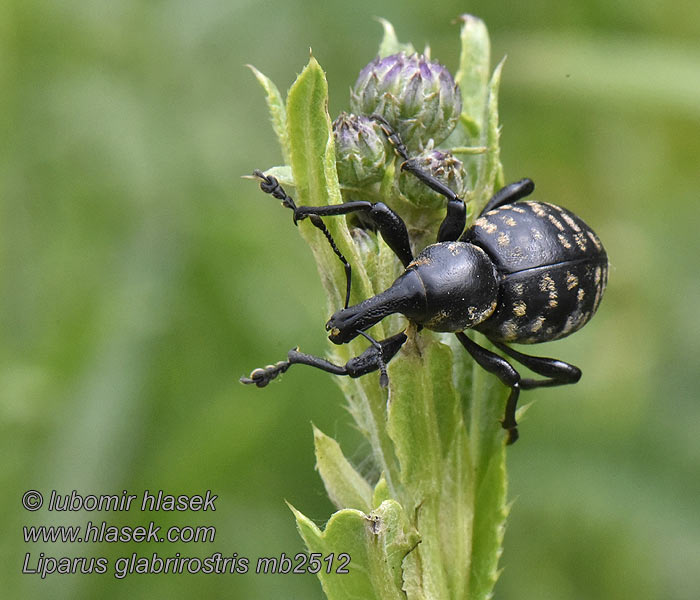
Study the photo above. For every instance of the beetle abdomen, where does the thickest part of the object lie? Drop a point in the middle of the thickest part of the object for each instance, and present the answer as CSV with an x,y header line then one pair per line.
x,y
528,235
547,303
553,267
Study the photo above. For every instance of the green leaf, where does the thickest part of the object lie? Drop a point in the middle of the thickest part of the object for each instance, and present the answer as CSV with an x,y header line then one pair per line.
x,y
491,173
275,105
282,173
413,417
427,426
381,492
390,43
312,155
473,73
309,133
424,411
455,514
312,158
472,78
377,544
345,486
490,513
488,455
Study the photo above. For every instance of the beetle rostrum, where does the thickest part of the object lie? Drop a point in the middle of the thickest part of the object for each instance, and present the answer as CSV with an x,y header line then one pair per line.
x,y
525,272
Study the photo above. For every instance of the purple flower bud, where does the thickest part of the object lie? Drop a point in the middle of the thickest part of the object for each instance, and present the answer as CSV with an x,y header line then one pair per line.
x,y
416,96
442,165
360,150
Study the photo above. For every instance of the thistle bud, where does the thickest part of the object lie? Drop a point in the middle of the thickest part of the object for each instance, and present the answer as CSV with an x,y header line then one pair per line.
x,y
360,151
441,165
416,96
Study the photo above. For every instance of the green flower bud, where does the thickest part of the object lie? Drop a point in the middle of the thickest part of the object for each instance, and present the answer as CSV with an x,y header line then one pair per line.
x,y
360,151
442,165
366,246
416,96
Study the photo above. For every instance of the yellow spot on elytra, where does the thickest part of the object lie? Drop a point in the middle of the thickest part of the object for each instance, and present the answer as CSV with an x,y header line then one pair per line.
x,y
598,296
509,331
569,327
503,239
547,283
601,278
569,221
594,238
563,241
517,209
556,222
537,209
553,303
580,240
580,295
536,234
477,316
485,224
510,221
537,324
519,308
571,281
518,289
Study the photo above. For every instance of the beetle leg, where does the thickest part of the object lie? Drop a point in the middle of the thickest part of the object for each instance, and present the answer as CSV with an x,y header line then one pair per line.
x,y
383,376
348,269
392,136
271,186
389,224
501,368
372,359
509,194
557,372
453,224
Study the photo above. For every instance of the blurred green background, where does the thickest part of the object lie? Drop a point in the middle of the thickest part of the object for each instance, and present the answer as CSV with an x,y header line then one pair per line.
x,y
141,277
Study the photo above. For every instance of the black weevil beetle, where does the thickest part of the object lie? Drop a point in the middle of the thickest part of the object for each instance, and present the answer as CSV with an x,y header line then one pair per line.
x,y
524,272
